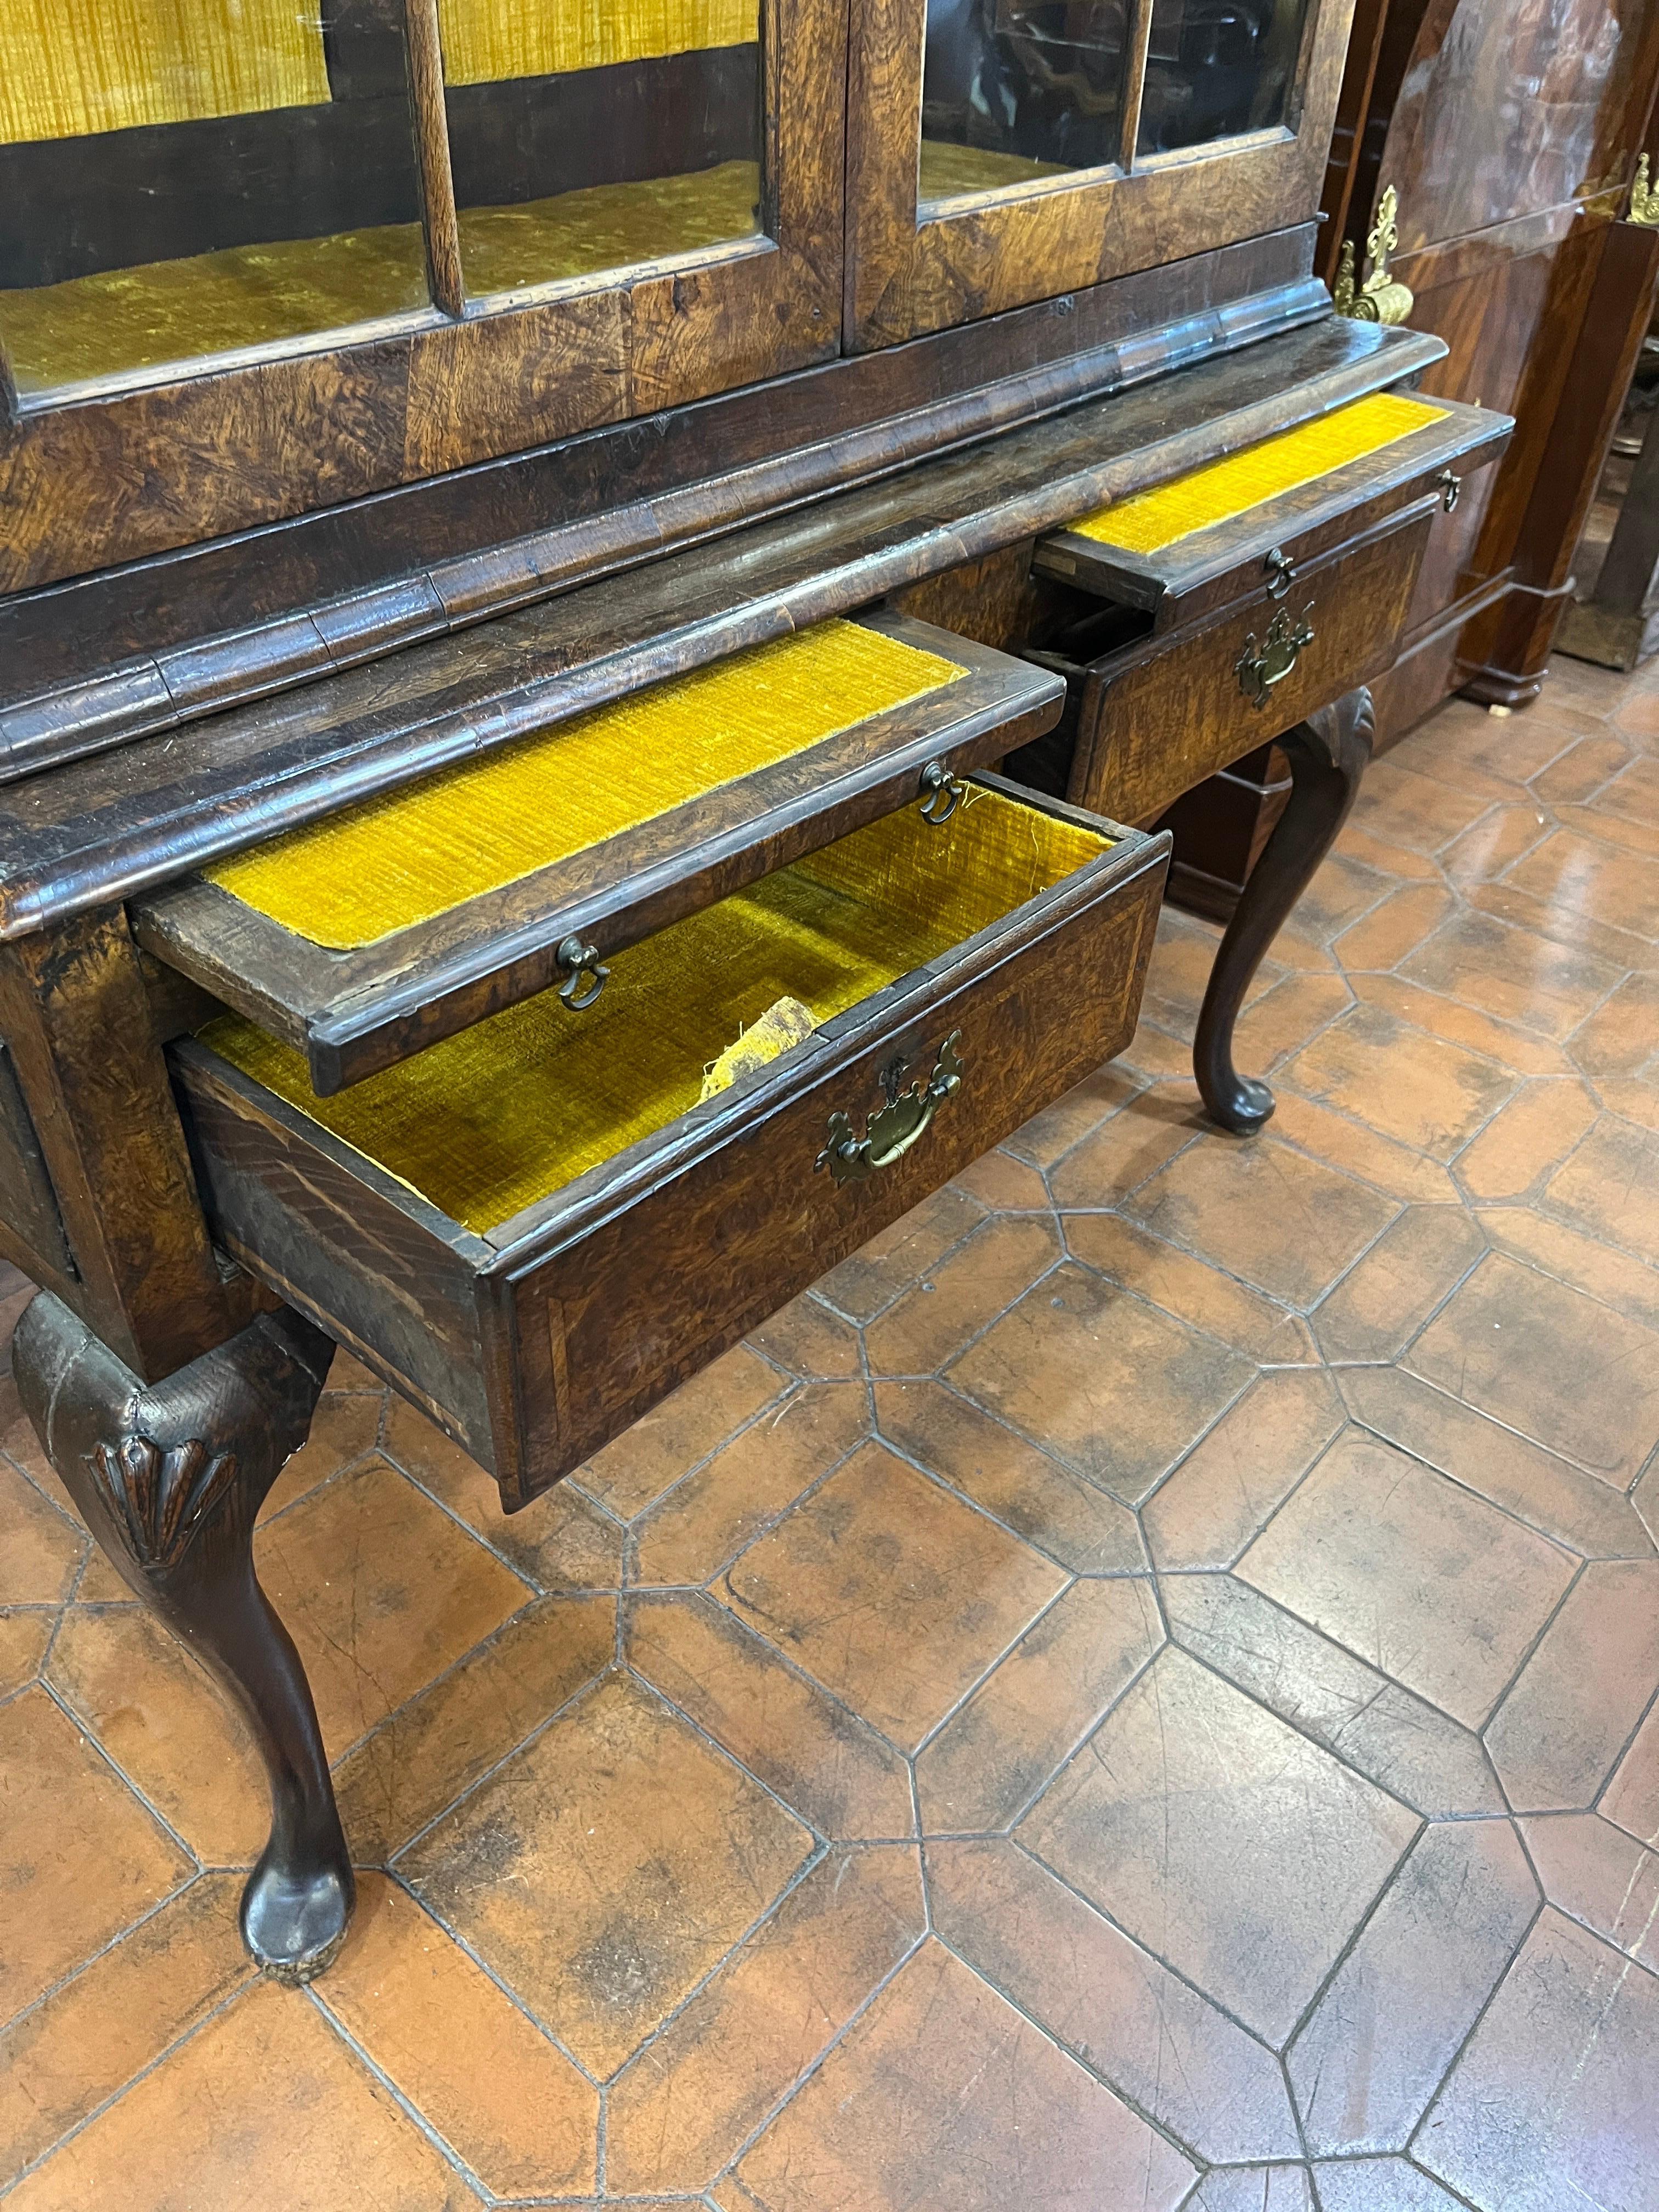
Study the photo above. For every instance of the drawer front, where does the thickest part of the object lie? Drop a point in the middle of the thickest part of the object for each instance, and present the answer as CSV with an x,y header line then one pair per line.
x,y
535,1349
1159,718
689,1270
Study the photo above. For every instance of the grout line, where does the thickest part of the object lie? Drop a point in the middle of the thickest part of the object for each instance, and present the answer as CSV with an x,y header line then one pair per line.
x,y
1082,2056
84,1730
188,2035
1042,1546
745,1543
399,2096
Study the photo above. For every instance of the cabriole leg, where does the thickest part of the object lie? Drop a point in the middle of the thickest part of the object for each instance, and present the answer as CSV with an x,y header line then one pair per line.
x,y
1327,755
169,1477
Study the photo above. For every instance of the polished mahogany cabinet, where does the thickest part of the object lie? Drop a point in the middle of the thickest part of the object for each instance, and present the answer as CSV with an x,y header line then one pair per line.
x,y
596,606
1511,135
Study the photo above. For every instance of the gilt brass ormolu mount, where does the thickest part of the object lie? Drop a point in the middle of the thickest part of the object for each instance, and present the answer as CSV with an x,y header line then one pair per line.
x,y
890,1132
1381,298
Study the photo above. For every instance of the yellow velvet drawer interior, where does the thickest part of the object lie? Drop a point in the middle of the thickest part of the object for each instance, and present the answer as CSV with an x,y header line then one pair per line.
x,y
1153,521
391,862
486,1123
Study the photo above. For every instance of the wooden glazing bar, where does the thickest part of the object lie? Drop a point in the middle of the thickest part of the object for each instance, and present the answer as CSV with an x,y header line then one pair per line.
x,y
440,224
1134,79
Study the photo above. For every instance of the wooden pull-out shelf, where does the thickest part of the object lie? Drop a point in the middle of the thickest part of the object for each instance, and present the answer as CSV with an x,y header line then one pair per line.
x,y
355,1009
591,1281
1204,540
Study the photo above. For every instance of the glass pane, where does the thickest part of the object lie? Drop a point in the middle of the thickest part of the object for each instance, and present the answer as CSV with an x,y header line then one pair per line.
x,y
186,177
1013,89
1217,67
588,138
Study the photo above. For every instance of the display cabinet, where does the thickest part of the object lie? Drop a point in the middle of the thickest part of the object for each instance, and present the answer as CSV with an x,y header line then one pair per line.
x,y
296,256
595,606
999,152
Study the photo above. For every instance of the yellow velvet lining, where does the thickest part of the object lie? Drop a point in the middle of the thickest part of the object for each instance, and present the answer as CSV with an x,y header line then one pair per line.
x,y
163,311
1154,519
125,319
72,67
486,40
946,170
394,861
608,227
490,1121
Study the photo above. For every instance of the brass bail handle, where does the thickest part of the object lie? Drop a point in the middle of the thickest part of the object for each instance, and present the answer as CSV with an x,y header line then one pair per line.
x,y
1281,572
941,793
889,1133
579,960
1266,661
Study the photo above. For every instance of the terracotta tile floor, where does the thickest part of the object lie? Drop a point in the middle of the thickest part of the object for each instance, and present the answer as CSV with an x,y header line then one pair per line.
x,y
1140,1691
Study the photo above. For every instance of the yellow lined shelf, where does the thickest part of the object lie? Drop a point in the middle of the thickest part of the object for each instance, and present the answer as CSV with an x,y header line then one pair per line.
x,y
1154,520
392,862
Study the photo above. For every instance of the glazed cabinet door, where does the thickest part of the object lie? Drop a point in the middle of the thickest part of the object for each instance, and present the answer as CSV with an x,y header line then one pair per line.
x,y
1005,151
282,255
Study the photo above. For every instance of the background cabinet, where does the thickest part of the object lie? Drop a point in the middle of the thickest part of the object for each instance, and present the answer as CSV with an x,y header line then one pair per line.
x,y
1510,134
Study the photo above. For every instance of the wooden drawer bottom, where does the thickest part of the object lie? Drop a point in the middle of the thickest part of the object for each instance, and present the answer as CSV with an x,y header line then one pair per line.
x,y
536,1229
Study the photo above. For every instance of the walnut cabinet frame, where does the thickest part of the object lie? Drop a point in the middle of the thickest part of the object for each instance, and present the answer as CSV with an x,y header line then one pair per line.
x,y
914,267
294,425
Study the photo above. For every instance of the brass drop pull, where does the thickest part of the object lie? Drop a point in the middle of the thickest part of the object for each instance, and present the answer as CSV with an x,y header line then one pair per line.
x,y
890,1132
1261,665
1281,572
942,792
577,961
1451,490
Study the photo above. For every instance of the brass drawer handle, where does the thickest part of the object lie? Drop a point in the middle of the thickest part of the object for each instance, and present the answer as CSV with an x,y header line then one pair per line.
x,y
1451,490
578,960
1281,572
942,794
1260,666
890,1132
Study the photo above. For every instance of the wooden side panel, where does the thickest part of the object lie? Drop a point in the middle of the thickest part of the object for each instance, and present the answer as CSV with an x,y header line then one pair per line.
x,y
1493,110
77,1025
1514,657
28,1203
388,1276
1157,721
1510,134
654,1293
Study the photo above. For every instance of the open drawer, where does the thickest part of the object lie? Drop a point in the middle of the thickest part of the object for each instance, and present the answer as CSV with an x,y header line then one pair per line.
x,y
1263,515
364,939
537,1229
